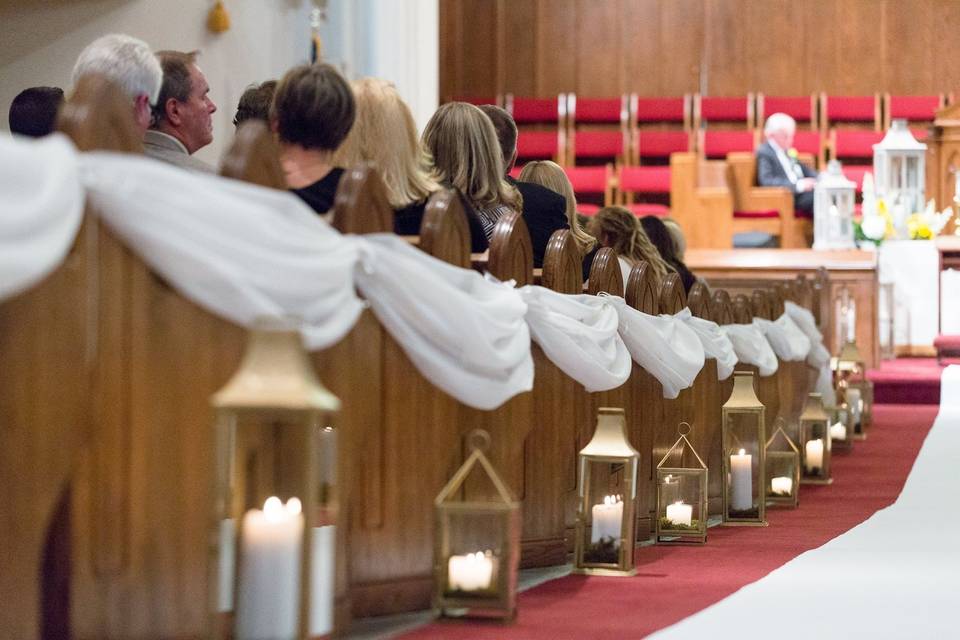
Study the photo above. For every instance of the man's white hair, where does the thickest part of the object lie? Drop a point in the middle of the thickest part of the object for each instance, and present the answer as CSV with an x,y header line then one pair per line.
x,y
779,122
125,60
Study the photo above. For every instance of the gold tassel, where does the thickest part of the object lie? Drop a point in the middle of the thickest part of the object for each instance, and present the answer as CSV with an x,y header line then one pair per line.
x,y
218,20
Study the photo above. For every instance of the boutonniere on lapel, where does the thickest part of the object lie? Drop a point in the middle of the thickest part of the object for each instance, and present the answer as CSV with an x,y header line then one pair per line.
x,y
792,153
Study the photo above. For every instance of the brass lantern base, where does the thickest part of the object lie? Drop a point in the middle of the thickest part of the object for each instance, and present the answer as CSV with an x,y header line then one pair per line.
x,y
598,571
745,523
782,503
859,436
816,481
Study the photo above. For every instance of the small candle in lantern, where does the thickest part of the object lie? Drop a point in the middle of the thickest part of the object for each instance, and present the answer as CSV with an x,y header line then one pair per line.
x,y
813,461
470,572
782,486
741,481
680,513
670,489
268,597
838,431
855,401
607,520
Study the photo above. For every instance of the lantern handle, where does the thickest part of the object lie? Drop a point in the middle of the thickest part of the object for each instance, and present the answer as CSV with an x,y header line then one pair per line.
x,y
478,440
684,428
780,422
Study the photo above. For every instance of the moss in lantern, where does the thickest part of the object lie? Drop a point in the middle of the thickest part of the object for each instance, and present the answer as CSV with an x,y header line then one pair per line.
x,y
607,551
744,513
669,525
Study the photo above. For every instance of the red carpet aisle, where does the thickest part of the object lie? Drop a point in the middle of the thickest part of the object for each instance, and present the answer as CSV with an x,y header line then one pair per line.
x,y
674,583
907,381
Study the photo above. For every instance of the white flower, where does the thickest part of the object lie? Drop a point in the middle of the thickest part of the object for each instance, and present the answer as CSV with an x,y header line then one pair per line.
x,y
874,227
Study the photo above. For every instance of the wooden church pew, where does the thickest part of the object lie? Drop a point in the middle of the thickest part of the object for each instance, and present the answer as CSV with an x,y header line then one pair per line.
x,y
722,310
766,387
48,351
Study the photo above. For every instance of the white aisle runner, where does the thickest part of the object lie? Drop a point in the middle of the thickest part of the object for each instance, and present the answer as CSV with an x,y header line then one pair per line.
x,y
897,575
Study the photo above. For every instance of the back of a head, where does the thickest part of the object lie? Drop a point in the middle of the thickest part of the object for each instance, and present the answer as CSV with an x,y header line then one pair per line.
x,y
660,236
124,60
506,130
34,111
466,154
779,122
549,174
255,102
618,228
313,107
676,233
385,134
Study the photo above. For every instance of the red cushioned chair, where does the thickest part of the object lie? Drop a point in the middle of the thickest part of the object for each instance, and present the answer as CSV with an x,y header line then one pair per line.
x,y
540,145
712,109
912,108
594,185
660,111
593,146
717,144
597,130
477,100
803,109
655,147
853,145
582,110
809,144
861,110
854,173
649,185
536,110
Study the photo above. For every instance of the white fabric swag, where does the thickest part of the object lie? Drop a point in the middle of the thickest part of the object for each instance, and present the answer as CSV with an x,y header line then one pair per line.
x,y
244,252
819,356
41,212
715,342
751,347
663,345
788,342
580,334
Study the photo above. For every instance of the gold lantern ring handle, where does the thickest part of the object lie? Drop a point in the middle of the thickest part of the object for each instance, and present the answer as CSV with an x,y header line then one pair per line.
x,y
684,428
478,440
780,422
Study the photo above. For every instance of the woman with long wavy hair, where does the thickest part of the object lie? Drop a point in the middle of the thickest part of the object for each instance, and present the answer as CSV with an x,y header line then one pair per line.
x,y
617,228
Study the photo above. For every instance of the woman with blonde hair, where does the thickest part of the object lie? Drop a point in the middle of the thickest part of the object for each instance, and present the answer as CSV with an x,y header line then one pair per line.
x,y
617,228
549,174
385,134
466,155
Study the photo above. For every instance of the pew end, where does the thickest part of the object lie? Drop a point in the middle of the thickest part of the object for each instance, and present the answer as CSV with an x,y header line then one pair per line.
x,y
444,233
254,157
361,204
605,274
700,201
97,116
562,264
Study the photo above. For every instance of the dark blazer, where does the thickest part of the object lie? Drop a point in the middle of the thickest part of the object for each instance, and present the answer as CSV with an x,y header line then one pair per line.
x,y
544,211
770,173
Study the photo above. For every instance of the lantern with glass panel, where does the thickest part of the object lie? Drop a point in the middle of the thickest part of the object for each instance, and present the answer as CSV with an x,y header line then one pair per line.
x,y
850,371
815,447
743,438
783,469
833,209
682,493
898,170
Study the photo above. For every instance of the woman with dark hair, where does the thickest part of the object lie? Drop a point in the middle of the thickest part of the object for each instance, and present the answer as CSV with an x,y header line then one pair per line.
x,y
662,239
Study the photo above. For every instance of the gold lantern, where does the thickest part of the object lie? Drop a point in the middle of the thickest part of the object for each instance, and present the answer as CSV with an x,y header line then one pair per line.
x,y
744,469
815,442
783,469
682,494
851,371
476,543
607,486
272,569
842,423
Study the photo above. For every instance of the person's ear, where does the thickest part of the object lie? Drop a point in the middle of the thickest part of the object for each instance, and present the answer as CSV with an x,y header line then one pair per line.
x,y
172,111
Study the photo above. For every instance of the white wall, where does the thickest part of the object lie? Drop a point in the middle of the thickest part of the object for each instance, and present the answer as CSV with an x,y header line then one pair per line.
x,y
40,40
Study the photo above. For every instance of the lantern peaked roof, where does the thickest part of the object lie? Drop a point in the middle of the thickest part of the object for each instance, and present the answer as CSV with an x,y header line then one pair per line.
x,y
833,177
813,408
478,440
784,444
899,138
683,445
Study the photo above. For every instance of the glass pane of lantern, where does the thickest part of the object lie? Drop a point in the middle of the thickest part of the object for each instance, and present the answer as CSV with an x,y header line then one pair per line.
x,y
742,448
896,172
912,180
473,552
603,489
781,471
680,501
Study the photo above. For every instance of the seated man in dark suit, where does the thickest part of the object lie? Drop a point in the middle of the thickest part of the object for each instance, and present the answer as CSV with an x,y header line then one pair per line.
x,y
544,210
777,165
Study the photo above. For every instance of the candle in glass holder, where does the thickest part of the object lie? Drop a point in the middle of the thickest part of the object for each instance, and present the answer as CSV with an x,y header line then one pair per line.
x,y
813,461
470,572
670,489
838,431
855,402
741,481
782,486
268,596
680,513
607,520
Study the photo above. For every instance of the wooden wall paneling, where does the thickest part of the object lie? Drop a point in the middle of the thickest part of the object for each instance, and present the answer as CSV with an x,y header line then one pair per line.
x,y
600,59
946,23
550,454
645,411
862,41
776,41
909,53
450,53
726,54
640,45
821,47
556,47
679,57
518,37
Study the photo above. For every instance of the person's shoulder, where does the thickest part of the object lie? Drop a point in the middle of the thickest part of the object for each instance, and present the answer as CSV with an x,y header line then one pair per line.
x,y
540,193
765,149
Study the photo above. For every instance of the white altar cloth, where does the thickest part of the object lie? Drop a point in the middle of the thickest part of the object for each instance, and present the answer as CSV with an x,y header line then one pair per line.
x,y
879,580
913,268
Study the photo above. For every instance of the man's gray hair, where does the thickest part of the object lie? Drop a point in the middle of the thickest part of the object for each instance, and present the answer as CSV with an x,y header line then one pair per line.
x,y
779,122
125,60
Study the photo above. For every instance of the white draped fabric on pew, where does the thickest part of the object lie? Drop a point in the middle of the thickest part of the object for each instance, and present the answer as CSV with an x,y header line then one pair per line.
x,y
580,334
244,252
788,341
819,356
715,342
663,345
42,209
751,347
897,575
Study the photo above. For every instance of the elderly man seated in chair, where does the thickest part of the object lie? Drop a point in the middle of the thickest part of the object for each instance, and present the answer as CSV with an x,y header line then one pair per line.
x,y
777,164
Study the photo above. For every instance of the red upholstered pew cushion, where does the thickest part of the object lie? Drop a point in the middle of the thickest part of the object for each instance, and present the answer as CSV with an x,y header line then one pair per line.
x,y
766,213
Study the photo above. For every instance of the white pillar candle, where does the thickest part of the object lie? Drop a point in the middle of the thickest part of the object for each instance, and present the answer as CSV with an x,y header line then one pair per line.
x,y
741,481
470,572
680,513
227,553
607,520
782,486
670,489
268,599
855,402
838,431
814,458
321,585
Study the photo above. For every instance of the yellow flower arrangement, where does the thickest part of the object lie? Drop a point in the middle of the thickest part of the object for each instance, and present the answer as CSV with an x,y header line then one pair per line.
x,y
918,228
884,212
